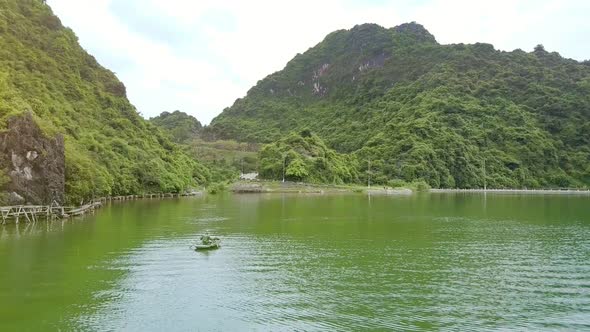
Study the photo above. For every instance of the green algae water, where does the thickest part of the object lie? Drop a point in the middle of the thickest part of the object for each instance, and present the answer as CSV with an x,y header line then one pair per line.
x,y
304,262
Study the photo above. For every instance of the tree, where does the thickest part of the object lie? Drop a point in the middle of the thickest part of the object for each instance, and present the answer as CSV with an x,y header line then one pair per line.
x,y
297,170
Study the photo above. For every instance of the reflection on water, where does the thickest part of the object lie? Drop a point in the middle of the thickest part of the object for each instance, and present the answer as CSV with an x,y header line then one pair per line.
x,y
425,262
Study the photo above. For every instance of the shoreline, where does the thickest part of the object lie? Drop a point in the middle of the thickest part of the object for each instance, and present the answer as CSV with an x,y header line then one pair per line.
x,y
30,213
266,187
514,191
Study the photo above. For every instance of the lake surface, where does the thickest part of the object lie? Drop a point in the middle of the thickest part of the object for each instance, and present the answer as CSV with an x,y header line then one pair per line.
x,y
304,262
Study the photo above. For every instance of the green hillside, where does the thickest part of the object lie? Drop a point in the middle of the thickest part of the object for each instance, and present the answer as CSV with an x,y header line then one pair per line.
x,y
179,125
305,157
447,114
225,159
110,148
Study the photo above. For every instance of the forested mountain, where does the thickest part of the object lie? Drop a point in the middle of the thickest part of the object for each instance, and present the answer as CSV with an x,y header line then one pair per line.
x,y
447,114
109,148
390,103
182,127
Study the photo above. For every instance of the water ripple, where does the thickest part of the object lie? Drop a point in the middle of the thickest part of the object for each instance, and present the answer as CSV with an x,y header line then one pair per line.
x,y
445,273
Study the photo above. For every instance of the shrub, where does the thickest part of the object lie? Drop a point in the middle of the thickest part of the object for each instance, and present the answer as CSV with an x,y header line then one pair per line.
x,y
216,188
397,183
420,185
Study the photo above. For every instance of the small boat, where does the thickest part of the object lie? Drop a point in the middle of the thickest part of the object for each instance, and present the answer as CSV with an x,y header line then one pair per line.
x,y
207,242
212,245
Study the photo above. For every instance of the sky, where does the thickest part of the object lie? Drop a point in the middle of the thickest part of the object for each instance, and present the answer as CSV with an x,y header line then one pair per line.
x,y
199,56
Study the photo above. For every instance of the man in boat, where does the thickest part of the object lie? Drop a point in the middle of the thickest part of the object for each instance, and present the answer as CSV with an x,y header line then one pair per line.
x,y
206,239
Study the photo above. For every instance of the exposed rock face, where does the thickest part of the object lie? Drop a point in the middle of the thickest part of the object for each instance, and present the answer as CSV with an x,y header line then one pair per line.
x,y
35,163
375,62
318,89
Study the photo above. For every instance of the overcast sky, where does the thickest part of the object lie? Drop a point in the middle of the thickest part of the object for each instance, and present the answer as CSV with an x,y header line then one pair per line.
x,y
198,56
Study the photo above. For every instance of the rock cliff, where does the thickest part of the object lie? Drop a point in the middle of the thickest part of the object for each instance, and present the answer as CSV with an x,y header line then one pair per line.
x,y
34,163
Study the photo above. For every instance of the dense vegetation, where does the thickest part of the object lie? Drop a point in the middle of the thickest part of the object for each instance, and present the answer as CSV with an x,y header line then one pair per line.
x,y
418,110
389,104
110,148
305,157
225,159
180,126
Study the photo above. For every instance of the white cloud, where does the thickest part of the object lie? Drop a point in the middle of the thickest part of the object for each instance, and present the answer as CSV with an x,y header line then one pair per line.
x,y
211,52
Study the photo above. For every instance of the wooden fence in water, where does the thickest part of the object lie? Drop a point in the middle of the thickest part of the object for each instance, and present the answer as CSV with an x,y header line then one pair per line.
x,y
32,213
131,197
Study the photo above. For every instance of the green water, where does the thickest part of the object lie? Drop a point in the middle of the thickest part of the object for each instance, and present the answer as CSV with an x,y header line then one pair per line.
x,y
296,262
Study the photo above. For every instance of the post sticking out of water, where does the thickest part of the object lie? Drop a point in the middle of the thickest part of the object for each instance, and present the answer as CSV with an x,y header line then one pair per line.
x,y
369,174
284,161
484,174
485,140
